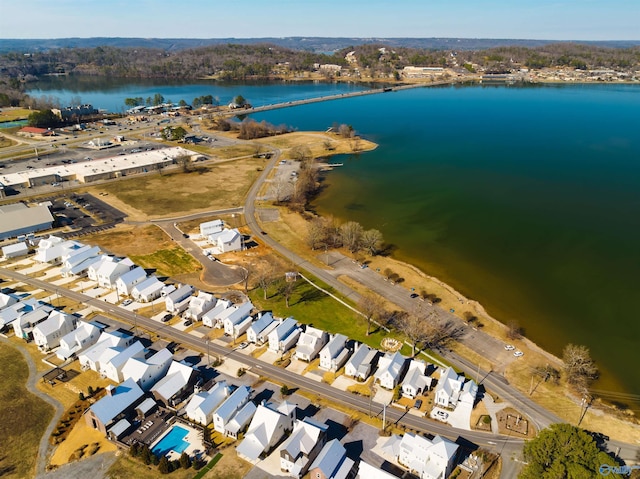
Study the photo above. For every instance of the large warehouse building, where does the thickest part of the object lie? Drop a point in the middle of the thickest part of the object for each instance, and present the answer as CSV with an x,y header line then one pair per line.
x,y
18,219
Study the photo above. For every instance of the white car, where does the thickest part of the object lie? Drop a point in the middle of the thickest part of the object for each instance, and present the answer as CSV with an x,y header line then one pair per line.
x,y
508,347
518,354
127,302
442,415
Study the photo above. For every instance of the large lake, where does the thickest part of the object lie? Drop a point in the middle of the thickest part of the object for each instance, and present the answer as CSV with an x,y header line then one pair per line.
x,y
526,199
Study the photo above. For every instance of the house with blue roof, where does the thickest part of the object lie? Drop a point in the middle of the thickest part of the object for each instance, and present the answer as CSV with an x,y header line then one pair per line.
x,y
119,403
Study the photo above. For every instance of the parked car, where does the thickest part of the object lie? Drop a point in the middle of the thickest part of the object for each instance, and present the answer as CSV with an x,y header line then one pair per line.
x,y
167,317
127,302
243,345
188,322
418,404
442,415
509,347
518,354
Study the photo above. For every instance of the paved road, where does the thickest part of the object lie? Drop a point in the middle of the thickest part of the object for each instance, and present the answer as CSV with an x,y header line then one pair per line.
x,y
320,389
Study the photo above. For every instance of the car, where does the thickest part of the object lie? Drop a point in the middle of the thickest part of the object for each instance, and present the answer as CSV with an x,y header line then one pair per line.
x,y
263,232
509,347
127,302
243,345
442,415
188,322
518,354
167,317
185,235
418,404
414,295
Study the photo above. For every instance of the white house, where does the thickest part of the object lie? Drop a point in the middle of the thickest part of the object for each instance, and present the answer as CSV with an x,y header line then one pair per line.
x,y
415,381
447,392
118,402
390,368
335,353
428,459
26,321
332,462
147,372
202,405
210,318
361,362
238,321
219,318
147,290
90,358
178,380
310,343
240,420
112,368
211,227
12,312
177,301
367,471
230,407
110,270
301,448
48,333
15,250
267,428
71,265
198,305
226,240
85,335
126,282
8,299
54,249
259,325
284,336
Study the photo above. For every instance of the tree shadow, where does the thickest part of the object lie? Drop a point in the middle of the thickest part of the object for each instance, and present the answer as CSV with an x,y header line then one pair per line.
x,y
310,295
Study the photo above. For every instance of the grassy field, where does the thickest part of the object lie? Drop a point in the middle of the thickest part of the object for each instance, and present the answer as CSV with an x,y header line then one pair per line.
x,y
149,247
309,305
24,417
12,114
4,141
126,468
222,185
319,143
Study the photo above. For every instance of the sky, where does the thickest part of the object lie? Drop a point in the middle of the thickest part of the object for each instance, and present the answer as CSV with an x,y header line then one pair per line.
x,y
519,19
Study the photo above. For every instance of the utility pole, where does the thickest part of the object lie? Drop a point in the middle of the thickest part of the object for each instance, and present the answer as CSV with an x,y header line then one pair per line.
x,y
586,402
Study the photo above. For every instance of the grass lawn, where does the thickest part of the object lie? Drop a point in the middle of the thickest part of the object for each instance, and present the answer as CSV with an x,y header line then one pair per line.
x,y
12,114
24,417
126,468
229,466
4,142
309,305
213,187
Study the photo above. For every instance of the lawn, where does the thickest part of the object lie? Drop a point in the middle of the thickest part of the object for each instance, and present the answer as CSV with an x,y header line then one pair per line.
x,y
12,114
126,467
309,305
24,417
216,186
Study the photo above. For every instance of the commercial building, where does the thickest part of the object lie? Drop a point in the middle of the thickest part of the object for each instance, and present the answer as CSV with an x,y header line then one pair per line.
x,y
18,219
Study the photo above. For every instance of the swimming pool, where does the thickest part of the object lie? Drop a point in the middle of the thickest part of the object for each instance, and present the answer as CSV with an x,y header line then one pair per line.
x,y
172,441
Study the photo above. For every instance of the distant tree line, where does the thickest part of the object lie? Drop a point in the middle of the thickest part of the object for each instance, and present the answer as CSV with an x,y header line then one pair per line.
x,y
267,61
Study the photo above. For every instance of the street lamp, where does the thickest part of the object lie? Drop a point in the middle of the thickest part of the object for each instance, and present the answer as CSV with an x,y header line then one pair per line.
x,y
208,359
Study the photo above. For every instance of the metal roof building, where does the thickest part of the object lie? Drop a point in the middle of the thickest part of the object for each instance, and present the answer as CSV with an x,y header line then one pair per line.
x,y
17,219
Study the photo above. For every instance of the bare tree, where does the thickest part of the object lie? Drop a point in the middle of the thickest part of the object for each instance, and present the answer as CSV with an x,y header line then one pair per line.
x,y
351,234
265,277
515,331
286,289
246,272
414,328
301,153
578,366
328,145
372,241
372,306
281,188
316,233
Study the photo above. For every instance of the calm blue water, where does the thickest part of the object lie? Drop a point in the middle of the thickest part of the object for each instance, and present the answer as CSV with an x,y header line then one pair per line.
x,y
110,93
523,198
173,441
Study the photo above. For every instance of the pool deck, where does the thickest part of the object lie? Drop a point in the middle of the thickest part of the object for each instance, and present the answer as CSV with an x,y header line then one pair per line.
x,y
193,437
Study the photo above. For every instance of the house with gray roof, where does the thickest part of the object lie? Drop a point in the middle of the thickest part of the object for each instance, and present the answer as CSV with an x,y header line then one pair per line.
x,y
119,403
284,336
210,318
126,281
239,320
230,407
390,369
258,326
310,343
79,257
203,404
361,362
112,368
240,420
23,325
147,290
269,425
177,301
85,335
179,379
199,305
302,447
332,463
335,353
416,380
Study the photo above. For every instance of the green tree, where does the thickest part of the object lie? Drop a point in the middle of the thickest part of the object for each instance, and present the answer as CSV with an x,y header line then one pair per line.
x,y
163,466
240,100
43,119
133,102
158,99
185,461
182,103
564,451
